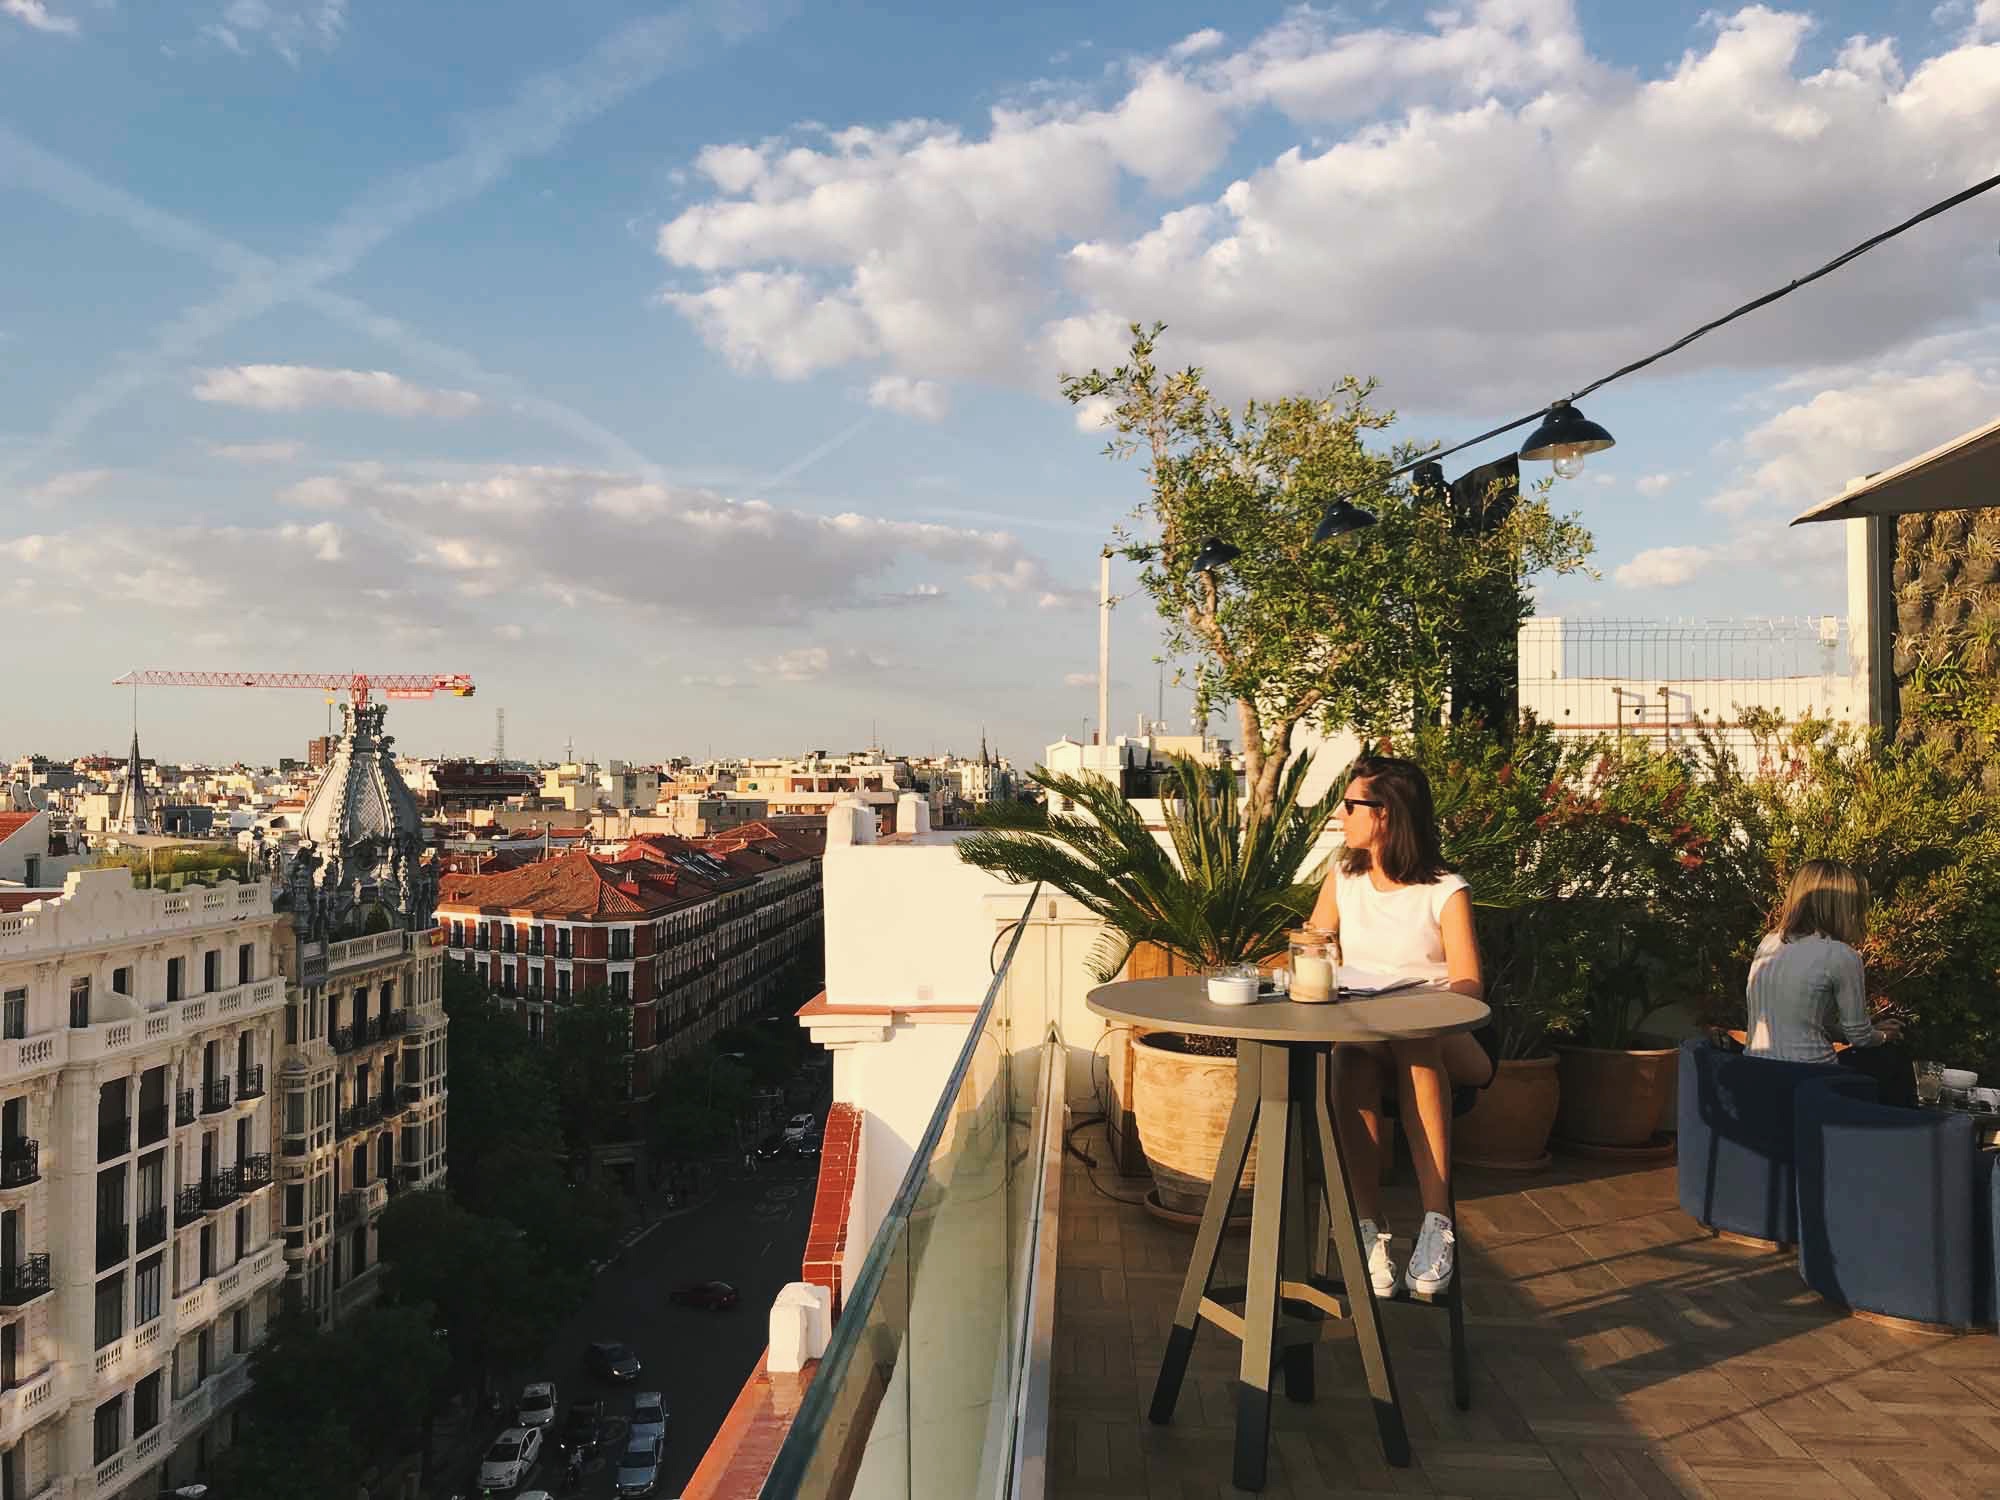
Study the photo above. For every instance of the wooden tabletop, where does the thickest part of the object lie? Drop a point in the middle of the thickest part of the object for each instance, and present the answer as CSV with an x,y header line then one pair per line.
x,y
1182,1004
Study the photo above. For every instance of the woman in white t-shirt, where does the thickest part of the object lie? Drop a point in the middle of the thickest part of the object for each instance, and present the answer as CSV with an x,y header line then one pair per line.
x,y
1400,911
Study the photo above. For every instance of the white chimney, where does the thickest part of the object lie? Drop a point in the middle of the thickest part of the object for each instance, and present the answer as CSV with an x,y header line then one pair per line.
x,y
913,813
801,1326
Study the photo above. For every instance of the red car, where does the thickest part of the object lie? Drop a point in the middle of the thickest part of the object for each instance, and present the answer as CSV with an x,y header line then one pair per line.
x,y
713,1296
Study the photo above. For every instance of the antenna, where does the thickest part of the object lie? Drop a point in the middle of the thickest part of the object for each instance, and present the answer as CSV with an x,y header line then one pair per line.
x,y
499,734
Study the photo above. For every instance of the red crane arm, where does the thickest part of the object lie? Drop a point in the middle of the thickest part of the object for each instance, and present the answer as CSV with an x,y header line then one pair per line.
x,y
356,684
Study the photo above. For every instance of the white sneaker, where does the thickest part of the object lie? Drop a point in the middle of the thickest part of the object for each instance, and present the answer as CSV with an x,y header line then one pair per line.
x,y
1381,1270
1430,1267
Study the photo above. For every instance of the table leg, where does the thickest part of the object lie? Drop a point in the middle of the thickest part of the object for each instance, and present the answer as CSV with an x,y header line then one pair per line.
x,y
1208,1240
1360,1291
1300,1191
1260,1297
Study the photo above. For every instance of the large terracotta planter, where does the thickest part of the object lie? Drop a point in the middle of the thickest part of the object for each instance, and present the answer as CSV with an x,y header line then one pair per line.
x,y
1508,1129
1613,1098
1181,1103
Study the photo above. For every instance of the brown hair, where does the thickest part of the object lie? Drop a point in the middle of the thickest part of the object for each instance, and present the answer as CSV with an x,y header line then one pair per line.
x,y
1408,843
1826,899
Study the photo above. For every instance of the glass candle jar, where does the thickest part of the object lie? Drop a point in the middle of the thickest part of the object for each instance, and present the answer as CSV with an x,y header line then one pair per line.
x,y
1315,965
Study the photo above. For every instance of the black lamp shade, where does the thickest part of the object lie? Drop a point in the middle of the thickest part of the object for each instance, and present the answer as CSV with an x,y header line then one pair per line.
x,y
1215,553
1342,518
1565,432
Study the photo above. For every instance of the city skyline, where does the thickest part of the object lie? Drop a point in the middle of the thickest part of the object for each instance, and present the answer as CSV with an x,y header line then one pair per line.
x,y
688,374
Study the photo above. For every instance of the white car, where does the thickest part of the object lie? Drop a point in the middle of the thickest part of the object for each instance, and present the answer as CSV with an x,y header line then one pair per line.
x,y
649,1419
638,1470
537,1406
800,1126
507,1462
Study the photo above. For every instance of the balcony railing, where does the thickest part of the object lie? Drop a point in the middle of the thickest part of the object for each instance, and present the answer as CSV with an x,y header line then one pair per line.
x,y
20,1162
370,1030
114,1243
250,1082
184,1107
219,1189
152,1228
368,1112
114,1137
392,1103
344,1123
256,1171
187,1205
24,1281
152,1123
215,1096
342,1038
396,1023
347,1208
943,1289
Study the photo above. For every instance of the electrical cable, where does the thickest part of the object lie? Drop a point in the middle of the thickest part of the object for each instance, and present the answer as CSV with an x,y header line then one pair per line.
x,y
1731,316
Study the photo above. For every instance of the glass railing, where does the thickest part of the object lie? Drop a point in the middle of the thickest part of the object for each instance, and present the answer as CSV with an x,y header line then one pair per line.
x,y
922,1391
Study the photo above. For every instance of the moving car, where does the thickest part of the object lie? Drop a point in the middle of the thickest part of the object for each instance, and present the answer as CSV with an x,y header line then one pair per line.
x,y
638,1469
537,1407
649,1419
581,1424
772,1145
614,1361
800,1126
712,1296
507,1462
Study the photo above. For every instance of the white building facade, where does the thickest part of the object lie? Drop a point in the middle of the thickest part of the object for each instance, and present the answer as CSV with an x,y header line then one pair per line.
x,y
138,1264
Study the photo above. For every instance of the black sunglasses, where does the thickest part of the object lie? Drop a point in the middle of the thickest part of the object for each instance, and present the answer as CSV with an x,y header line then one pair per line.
x,y
1350,803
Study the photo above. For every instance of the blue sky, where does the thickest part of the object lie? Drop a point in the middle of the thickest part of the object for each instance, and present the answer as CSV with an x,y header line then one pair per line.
x,y
687,374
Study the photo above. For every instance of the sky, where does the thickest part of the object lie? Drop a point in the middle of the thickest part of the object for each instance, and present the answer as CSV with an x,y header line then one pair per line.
x,y
688,374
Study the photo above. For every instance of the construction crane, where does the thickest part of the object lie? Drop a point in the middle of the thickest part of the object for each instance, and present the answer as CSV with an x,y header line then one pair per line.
x,y
412,685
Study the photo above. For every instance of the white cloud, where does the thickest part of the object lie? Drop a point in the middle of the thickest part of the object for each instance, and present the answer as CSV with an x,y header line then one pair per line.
x,y
1667,567
806,663
257,453
289,28
1197,42
301,387
321,492
924,399
37,16
73,485
1489,125
1079,679
1653,484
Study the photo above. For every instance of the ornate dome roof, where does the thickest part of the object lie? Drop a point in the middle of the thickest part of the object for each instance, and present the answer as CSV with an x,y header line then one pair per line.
x,y
361,799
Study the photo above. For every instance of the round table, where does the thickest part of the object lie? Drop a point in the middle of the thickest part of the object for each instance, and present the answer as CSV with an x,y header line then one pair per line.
x,y
1283,1064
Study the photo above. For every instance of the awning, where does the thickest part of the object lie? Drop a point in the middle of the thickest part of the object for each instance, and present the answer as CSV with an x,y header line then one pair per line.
x,y
1963,474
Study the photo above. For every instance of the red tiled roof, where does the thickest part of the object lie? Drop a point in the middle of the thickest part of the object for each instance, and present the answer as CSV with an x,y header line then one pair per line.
x,y
573,885
12,900
12,823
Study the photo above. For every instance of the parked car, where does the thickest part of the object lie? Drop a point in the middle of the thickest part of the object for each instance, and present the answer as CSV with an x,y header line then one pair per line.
x,y
507,1462
638,1469
582,1424
806,1147
649,1419
614,1361
800,1126
710,1296
537,1406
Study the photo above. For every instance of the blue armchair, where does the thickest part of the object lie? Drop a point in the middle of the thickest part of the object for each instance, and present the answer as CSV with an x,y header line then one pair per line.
x,y
1897,1207
1735,1143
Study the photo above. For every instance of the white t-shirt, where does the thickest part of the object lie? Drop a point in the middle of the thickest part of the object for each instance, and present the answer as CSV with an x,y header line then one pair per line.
x,y
1395,931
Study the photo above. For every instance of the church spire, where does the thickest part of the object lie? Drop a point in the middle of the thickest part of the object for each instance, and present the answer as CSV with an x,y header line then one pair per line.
x,y
135,809
984,758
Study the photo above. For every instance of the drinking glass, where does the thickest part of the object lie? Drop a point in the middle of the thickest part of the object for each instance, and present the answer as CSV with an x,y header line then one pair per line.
x,y
1930,1082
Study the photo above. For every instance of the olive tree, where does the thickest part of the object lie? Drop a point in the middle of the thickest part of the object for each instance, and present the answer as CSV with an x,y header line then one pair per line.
x,y
1362,634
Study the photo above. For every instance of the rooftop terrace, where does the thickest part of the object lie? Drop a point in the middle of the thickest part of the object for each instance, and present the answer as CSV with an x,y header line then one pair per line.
x,y
1618,1350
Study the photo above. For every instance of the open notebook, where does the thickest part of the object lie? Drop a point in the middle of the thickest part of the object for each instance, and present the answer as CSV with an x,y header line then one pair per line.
x,y
1363,982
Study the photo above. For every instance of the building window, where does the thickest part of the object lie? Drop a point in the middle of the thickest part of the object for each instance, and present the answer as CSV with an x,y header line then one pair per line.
x,y
211,971
621,943
108,1429
121,980
175,986
79,1002
246,962
14,1014
146,1291
562,984
146,1404
110,1309
621,986
239,1330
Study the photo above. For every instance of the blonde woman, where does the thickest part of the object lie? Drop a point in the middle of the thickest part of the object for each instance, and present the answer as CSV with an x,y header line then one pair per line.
x,y
1400,910
1806,985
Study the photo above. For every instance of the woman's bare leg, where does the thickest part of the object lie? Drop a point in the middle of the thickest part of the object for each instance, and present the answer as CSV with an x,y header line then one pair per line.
x,y
1425,1094
1357,1115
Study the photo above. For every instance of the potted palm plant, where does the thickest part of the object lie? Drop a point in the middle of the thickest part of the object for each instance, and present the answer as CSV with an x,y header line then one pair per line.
x,y
1219,889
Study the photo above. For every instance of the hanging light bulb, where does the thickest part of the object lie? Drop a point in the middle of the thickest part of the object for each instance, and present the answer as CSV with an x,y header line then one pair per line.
x,y
1563,438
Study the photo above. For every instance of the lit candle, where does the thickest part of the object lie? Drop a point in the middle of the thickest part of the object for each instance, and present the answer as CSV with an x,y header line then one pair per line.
x,y
1312,978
